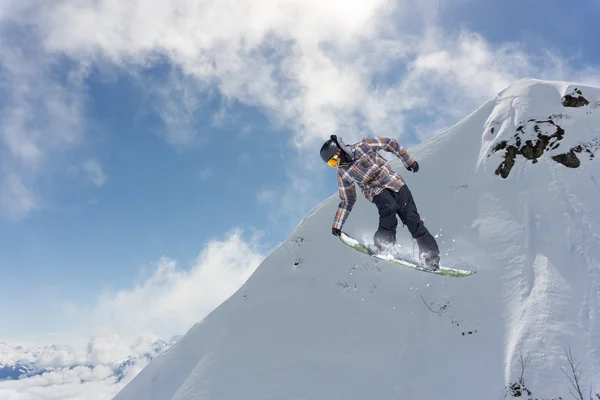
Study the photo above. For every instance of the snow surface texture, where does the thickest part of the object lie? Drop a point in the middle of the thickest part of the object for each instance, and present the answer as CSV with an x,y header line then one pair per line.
x,y
318,320
96,370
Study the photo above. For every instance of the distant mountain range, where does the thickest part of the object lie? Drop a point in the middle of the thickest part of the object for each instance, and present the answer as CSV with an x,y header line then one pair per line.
x,y
18,362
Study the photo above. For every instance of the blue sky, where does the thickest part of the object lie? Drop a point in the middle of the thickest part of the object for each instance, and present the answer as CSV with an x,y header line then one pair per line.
x,y
134,132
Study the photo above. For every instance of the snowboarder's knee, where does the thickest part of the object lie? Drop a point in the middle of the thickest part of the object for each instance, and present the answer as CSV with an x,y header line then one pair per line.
x,y
387,209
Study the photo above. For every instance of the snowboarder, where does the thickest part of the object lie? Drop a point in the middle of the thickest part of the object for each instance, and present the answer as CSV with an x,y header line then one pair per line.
x,y
361,163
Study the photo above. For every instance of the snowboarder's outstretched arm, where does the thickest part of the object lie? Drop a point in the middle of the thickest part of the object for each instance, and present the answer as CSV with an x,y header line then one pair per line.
x,y
391,145
347,193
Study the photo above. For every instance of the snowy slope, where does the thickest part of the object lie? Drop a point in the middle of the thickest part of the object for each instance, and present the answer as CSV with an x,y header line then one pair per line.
x,y
318,320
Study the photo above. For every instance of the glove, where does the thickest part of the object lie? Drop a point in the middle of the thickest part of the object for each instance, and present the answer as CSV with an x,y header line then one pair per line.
x,y
336,231
414,167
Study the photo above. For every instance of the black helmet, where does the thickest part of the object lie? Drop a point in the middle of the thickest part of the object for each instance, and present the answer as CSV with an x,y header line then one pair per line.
x,y
329,149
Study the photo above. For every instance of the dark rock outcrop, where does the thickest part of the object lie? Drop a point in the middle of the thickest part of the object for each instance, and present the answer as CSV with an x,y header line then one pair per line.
x,y
570,159
530,149
575,99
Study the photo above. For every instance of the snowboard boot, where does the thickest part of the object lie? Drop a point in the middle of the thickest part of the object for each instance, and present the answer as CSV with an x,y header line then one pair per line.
x,y
432,261
382,247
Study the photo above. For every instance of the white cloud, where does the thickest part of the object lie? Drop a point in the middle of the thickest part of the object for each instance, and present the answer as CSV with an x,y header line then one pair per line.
x,y
176,101
95,173
16,199
80,383
272,55
172,299
40,117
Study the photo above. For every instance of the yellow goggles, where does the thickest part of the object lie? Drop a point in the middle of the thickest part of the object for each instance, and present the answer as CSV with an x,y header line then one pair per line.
x,y
334,161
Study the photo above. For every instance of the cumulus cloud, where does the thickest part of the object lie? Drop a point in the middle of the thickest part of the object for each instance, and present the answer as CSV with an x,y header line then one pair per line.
x,y
301,59
171,299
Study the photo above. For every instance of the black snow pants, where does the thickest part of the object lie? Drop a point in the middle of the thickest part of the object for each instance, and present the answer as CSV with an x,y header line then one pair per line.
x,y
389,204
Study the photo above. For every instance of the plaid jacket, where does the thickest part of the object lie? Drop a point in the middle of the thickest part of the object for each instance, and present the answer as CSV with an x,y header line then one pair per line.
x,y
370,171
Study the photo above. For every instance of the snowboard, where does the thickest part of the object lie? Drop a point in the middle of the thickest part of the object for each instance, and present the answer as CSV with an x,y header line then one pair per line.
x,y
407,263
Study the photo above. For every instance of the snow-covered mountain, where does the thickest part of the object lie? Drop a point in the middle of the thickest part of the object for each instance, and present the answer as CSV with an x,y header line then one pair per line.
x,y
512,191
21,362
